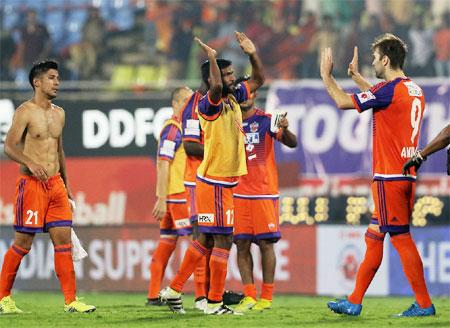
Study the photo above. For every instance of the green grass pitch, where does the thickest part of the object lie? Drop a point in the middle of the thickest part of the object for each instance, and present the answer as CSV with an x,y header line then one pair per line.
x,y
128,310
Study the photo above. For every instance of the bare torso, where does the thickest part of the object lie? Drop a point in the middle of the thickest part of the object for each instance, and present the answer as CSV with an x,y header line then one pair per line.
x,y
40,139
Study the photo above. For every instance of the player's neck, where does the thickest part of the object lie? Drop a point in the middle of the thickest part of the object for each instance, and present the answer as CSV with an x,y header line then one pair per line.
x,y
394,74
176,115
42,101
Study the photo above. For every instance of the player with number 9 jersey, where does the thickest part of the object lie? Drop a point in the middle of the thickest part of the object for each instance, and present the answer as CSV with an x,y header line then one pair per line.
x,y
398,108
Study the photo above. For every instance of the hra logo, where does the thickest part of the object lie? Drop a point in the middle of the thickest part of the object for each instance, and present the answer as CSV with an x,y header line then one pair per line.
x,y
182,223
205,218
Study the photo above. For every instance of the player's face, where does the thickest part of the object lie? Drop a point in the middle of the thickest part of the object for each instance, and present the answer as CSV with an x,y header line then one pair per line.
x,y
48,83
248,104
378,65
228,79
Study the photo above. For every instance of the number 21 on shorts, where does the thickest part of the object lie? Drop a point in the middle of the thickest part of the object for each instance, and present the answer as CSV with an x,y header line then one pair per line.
x,y
30,215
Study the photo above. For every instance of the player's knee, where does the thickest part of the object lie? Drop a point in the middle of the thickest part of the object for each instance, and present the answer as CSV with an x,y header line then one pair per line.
x,y
266,246
223,241
243,246
23,240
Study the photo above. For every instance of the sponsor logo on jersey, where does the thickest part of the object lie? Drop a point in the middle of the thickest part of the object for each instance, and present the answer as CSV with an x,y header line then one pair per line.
x,y
254,126
250,147
252,138
413,89
365,96
205,218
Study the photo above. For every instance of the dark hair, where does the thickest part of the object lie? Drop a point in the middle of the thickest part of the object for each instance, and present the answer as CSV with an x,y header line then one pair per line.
x,y
40,68
393,47
222,63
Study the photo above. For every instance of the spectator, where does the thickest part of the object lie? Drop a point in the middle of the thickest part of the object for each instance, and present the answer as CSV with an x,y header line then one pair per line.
x,y
83,56
7,47
326,37
420,51
180,47
368,34
441,43
35,43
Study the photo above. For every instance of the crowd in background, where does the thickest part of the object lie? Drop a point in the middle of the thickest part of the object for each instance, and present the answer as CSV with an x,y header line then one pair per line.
x,y
91,38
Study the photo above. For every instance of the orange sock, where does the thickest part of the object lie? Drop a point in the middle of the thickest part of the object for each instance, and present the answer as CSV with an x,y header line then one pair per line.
x,y
369,266
413,267
207,271
250,290
190,260
65,271
11,263
200,277
267,291
158,265
218,265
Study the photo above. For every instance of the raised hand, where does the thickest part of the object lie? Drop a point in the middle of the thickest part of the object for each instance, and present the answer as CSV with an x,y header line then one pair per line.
x,y
353,65
210,52
326,63
283,123
245,43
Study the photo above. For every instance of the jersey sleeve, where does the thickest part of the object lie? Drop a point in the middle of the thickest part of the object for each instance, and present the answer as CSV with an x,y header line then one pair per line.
x,y
242,92
169,142
209,110
190,121
379,96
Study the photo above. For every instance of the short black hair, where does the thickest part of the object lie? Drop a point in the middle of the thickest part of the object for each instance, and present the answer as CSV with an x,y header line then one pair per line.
x,y
222,63
40,68
393,47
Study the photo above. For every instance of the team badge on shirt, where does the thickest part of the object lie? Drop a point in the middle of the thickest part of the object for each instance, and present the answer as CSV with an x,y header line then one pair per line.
x,y
365,96
254,126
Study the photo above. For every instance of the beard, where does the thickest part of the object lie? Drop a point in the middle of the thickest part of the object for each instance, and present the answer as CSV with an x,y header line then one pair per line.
x,y
226,90
246,107
379,75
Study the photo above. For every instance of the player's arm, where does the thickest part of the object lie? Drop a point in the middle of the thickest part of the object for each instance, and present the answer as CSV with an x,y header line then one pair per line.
x,y
342,99
193,148
442,140
215,86
353,72
162,181
257,77
62,162
287,138
14,144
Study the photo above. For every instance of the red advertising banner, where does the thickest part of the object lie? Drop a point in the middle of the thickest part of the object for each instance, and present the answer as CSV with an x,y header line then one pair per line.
x,y
107,190
119,260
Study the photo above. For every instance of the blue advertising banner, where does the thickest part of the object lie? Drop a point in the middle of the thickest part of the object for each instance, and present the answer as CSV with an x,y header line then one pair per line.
x,y
433,244
332,141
